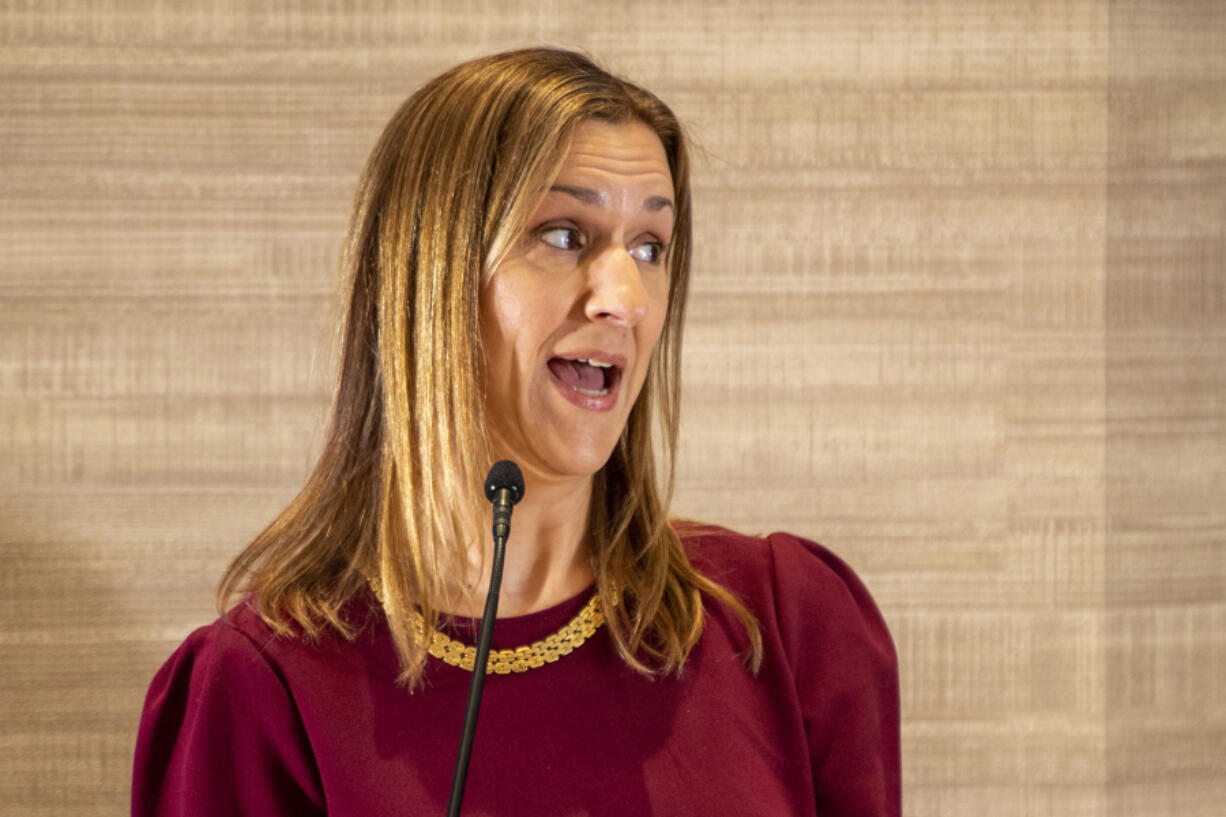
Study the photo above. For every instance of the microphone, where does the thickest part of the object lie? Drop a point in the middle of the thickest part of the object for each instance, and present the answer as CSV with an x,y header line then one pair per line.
x,y
504,486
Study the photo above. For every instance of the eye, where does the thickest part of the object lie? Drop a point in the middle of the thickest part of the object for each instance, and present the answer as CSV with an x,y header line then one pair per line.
x,y
561,238
649,252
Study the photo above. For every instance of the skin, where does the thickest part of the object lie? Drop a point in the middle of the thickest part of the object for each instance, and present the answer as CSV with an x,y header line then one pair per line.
x,y
587,279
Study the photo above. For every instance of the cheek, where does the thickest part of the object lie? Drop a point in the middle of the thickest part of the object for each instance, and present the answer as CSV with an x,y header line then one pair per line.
x,y
502,313
516,318
659,311
650,331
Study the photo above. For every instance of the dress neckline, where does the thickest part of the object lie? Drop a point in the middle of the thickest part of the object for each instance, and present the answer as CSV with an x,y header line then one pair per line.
x,y
516,631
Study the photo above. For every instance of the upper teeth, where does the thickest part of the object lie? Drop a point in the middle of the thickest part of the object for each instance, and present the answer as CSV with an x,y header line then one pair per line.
x,y
599,364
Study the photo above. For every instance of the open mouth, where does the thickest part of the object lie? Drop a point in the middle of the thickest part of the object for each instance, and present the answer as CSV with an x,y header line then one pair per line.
x,y
587,376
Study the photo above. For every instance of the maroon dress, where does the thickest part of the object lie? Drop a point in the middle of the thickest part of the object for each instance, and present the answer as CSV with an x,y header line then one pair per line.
x,y
240,722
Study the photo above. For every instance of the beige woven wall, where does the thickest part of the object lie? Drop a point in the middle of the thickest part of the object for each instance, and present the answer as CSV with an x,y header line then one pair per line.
x,y
960,313
1165,566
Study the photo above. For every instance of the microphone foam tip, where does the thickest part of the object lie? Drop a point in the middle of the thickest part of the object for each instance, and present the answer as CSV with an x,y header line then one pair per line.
x,y
504,474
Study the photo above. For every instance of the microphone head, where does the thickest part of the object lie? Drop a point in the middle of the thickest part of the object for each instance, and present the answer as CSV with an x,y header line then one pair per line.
x,y
504,474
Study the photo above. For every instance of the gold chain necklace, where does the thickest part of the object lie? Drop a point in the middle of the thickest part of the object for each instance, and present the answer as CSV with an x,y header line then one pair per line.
x,y
521,659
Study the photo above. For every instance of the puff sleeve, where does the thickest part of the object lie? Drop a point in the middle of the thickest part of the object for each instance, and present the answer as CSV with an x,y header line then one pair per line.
x,y
220,735
845,669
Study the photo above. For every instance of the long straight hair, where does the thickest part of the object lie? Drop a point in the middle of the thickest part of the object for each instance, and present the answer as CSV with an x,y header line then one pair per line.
x,y
394,500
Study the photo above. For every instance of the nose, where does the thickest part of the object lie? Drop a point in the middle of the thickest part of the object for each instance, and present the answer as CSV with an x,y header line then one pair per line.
x,y
616,293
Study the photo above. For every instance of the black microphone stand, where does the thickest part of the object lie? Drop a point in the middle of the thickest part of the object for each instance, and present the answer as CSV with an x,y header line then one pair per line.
x,y
478,680
504,486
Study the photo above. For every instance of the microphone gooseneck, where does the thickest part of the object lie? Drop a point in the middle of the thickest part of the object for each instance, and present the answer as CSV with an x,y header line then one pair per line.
x,y
504,486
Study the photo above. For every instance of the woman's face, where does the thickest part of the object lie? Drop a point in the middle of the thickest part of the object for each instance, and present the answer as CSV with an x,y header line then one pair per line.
x,y
570,318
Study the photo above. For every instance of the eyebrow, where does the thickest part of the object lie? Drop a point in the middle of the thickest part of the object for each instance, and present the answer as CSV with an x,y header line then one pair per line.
x,y
599,199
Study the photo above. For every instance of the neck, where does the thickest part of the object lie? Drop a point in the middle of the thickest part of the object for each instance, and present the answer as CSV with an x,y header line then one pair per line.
x,y
546,557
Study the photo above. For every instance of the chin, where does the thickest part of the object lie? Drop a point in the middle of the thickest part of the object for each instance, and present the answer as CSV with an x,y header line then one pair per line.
x,y
563,447
581,466
576,461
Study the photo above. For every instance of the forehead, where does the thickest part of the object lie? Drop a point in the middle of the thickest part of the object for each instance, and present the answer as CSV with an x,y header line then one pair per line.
x,y
614,156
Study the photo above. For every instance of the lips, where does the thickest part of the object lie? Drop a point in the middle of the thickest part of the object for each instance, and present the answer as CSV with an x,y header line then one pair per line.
x,y
589,380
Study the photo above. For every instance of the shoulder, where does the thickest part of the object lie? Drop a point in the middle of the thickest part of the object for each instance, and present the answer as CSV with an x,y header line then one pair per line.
x,y
777,562
242,650
827,643
239,635
738,552
220,727
231,655
801,591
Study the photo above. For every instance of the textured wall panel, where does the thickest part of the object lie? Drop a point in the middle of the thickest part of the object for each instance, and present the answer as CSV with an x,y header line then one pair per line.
x,y
957,313
1166,401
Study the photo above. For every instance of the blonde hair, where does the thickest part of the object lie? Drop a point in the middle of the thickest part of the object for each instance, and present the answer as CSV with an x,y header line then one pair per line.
x,y
394,499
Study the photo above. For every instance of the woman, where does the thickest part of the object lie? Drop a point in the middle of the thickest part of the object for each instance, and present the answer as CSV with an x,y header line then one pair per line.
x,y
519,251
